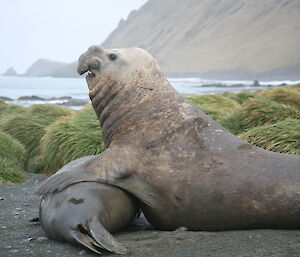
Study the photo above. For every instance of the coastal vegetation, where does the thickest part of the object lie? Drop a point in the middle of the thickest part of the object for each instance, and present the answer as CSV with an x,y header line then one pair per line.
x,y
12,157
71,138
43,138
29,125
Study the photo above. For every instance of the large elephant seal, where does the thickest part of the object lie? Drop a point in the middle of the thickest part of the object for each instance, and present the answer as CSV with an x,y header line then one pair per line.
x,y
184,167
86,213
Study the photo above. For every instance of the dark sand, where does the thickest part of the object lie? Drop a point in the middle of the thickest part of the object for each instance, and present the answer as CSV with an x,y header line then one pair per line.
x,y
20,237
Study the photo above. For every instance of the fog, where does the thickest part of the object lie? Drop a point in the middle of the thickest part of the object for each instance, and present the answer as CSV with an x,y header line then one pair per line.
x,y
55,29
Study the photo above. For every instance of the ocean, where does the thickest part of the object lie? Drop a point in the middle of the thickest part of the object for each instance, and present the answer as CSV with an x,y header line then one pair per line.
x,y
73,92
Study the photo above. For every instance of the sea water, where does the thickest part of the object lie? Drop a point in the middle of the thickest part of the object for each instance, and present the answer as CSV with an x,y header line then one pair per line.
x,y
48,87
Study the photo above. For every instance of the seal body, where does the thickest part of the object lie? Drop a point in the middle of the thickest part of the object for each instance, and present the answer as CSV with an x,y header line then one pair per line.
x,y
185,168
86,213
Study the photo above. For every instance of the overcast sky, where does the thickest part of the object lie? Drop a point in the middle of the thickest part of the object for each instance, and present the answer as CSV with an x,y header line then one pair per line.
x,y
58,30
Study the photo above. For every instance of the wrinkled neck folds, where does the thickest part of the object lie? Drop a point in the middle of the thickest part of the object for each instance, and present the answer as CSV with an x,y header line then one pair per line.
x,y
113,99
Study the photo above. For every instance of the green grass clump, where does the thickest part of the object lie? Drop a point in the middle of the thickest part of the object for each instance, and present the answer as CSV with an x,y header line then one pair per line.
x,y
48,113
30,127
12,156
232,122
297,86
258,112
284,95
69,139
243,96
9,110
215,106
283,136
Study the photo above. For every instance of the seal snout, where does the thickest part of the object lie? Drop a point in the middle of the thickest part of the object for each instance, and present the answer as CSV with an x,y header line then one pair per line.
x,y
90,61
88,64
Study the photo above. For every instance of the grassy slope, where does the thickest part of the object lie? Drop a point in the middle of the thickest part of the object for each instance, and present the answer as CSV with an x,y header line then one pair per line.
x,y
12,157
72,138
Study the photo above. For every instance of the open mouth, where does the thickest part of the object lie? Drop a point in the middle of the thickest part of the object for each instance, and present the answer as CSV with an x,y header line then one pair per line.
x,y
90,74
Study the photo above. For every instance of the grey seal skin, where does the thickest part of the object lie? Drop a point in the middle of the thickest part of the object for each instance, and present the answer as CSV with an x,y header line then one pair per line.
x,y
186,170
86,213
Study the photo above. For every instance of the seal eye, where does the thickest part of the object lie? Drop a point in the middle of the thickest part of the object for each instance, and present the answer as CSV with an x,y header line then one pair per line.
x,y
112,57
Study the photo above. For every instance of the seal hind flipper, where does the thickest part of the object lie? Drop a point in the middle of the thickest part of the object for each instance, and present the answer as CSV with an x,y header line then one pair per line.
x,y
85,240
104,238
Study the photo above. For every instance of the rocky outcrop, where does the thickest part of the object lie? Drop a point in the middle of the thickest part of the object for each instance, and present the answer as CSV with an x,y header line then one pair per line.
x,y
43,67
10,72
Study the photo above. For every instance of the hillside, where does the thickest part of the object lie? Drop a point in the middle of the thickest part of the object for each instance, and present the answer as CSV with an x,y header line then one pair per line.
x,y
10,72
43,67
217,37
68,70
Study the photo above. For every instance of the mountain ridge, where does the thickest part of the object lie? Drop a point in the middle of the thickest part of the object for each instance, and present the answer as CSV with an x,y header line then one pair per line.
x,y
232,39
222,35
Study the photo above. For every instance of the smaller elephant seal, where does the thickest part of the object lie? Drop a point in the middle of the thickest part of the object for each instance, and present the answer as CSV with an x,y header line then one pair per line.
x,y
86,213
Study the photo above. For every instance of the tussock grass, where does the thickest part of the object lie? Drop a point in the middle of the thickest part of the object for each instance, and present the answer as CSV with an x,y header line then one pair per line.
x,y
69,139
48,113
243,96
9,110
258,112
29,127
232,122
284,95
12,157
283,136
215,106
297,86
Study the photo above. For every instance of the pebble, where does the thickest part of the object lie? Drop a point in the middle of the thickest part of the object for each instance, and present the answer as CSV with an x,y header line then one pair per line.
x,y
26,240
82,252
1,198
14,251
42,239
180,229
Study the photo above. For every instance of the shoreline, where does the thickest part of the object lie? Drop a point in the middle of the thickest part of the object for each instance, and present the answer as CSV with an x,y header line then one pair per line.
x,y
55,89
78,102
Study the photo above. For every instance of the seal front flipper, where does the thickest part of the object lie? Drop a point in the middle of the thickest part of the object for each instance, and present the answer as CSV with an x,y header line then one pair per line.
x,y
114,163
